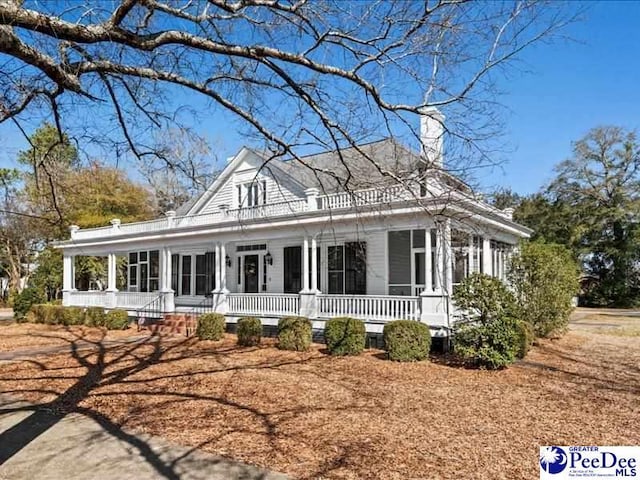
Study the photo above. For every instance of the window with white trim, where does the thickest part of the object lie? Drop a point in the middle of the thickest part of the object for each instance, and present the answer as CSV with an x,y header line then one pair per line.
x,y
144,271
252,194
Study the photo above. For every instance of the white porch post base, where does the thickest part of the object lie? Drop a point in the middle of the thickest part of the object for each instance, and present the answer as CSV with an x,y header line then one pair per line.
x,y
111,299
433,309
220,303
308,304
169,297
66,298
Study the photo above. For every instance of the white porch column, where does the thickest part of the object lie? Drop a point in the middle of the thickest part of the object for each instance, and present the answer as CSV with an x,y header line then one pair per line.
x,y
471,255
308,298
486,256
428,272
220,304
111,300
433,306
112,272
437,284
448,254
68,278
165,281
305,264
314,264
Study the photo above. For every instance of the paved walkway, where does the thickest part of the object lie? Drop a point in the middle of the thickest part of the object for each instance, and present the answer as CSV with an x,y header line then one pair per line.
x,y
76,447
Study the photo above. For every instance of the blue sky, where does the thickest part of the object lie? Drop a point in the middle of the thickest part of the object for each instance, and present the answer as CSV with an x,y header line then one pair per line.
x,y
557,93
570,87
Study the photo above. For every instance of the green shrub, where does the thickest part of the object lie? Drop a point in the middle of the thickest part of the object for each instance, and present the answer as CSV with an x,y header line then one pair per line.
x,y
526,336
117,319
294,333
73,316
249,331
345,336
23,301
36,314
493,344
52,314
545,280
481,297
95,317
407,340
210,326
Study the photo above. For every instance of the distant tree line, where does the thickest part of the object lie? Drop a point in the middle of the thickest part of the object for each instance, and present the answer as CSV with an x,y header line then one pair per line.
x,y
51,188
592,206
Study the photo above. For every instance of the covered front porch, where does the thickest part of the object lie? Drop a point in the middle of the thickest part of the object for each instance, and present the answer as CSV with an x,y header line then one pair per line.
x,y
376,274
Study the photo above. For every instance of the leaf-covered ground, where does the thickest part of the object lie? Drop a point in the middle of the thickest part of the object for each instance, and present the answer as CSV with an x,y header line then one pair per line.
x,y
22,336
314,416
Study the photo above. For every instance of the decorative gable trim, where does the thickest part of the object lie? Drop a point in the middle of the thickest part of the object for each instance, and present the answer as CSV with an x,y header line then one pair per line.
x,y
220,181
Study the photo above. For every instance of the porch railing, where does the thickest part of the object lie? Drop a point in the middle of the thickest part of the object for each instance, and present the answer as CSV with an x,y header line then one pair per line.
x,y
87,299
369,307
331,201
263,303
134,300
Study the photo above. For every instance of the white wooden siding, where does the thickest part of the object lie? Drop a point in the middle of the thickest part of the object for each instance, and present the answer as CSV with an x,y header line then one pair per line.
x,y
279,188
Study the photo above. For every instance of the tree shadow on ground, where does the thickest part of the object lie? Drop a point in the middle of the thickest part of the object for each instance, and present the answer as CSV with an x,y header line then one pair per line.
x,y
103,363
99,363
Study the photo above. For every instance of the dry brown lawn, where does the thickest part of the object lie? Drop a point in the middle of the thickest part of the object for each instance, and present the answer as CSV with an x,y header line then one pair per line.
x,y
314,416
19,336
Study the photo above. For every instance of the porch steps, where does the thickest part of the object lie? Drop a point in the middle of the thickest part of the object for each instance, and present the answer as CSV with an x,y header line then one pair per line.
x,y
177,324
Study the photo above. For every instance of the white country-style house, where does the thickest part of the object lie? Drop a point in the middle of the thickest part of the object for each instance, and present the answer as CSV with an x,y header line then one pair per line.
x,y
322,236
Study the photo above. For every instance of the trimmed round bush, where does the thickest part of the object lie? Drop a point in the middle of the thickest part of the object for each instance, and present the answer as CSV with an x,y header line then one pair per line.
x,y
294,333
249,331
493,344
407,340
210,326
95,317
345,336
73,316
117,319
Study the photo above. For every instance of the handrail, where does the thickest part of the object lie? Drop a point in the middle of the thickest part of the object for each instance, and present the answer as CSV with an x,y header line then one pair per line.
x,y
153,309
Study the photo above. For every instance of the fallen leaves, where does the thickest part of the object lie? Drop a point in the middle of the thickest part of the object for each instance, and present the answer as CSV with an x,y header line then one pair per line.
x,y
314,416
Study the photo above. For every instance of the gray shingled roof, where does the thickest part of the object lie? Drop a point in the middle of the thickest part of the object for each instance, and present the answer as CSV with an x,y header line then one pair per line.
x,y
359,168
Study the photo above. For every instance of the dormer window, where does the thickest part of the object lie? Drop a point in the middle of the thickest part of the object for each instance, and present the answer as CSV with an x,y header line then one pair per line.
x,y
252,194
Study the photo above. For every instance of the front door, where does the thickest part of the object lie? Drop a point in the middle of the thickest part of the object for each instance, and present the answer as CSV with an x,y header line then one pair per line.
x,y
251,273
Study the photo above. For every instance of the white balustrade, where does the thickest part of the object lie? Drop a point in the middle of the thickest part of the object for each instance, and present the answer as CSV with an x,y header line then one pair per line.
x,y
370,307
269,210
371,196
87,299
345,200
132,300
263,303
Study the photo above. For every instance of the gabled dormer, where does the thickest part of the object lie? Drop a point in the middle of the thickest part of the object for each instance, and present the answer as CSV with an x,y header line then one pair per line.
x,y
248,180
